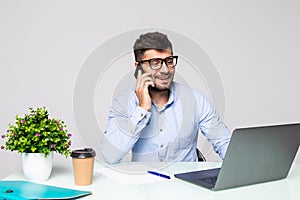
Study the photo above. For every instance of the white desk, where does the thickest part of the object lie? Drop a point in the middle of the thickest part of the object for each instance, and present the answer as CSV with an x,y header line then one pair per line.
x,y
105,188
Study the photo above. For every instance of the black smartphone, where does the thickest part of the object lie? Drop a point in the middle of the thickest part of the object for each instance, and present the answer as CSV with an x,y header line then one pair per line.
x,y
139,67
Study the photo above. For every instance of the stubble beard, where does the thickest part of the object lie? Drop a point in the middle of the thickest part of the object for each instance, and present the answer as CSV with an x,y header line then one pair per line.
x,y
163,87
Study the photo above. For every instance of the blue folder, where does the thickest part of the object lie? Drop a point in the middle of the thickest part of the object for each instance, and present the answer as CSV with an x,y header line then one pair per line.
x,y
20,190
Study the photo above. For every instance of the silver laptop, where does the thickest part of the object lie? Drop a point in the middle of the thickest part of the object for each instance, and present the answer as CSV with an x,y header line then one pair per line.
x,y
254,155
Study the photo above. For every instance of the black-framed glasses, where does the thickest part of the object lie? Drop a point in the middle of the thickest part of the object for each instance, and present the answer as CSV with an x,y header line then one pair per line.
x,y
156,63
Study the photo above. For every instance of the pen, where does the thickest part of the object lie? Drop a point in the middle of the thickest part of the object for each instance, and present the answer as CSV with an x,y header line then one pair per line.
x,y
159,174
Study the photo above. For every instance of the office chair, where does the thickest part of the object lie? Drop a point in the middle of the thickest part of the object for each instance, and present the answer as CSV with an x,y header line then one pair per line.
x,y
200,156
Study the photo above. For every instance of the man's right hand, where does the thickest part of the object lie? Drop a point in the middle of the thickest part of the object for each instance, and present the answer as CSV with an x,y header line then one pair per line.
x,y
141,89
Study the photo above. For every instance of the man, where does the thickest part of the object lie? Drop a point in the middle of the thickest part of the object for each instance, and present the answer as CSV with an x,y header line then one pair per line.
x,y
159,120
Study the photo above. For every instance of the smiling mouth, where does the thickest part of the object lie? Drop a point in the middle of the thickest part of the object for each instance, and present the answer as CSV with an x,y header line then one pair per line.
x,y
163,78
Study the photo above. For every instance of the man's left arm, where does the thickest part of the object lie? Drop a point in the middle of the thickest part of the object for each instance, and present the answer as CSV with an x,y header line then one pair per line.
x,y
212,126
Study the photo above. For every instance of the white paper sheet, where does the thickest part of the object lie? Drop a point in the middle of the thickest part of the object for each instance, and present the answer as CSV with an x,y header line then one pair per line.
x,y
131,174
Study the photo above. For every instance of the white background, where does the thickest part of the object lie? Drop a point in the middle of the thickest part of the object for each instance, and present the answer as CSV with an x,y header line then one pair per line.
x,y
254,45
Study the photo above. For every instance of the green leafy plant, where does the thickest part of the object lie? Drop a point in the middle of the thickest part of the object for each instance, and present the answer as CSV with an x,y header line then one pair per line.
x,y
37,133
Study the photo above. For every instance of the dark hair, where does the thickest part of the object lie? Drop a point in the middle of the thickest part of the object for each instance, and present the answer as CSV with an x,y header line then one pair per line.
x,y
152,40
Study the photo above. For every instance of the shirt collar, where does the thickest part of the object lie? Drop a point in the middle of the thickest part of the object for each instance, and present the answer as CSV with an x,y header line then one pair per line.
x,y
172,94
172,97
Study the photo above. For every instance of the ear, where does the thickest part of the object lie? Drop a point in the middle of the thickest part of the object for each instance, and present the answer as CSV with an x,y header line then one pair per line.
x,y
136,64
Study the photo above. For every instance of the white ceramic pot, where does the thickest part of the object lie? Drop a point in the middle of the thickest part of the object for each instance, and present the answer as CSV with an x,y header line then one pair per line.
x,y
36,167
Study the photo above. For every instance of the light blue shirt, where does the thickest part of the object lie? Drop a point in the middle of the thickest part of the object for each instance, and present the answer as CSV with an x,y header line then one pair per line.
x,y
166,134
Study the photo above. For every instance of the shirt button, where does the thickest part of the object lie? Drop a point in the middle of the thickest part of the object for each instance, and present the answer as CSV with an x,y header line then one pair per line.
x,y
161,160
161,146
142,114
161,130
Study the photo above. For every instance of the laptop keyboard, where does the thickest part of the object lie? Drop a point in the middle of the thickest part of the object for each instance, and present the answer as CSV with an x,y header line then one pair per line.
x,y
210,180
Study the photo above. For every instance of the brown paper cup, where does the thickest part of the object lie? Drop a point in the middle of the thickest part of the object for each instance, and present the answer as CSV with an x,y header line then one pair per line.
x,y
83,166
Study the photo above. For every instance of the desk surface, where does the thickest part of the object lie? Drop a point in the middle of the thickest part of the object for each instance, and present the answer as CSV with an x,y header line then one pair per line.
x,y
105,188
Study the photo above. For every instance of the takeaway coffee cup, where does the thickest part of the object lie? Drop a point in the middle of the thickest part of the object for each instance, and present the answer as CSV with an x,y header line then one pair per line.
x,y
83,165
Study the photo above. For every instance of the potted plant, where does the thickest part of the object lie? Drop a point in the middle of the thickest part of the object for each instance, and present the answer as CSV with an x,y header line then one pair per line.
x,y
36,137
